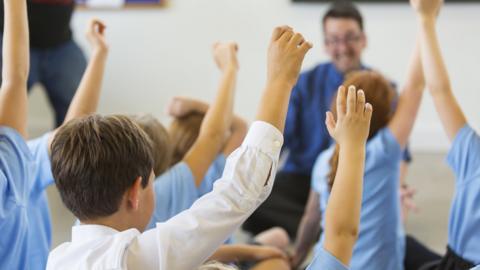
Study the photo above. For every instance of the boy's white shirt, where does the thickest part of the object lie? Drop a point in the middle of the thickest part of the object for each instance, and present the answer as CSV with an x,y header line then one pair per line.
x,y
189,238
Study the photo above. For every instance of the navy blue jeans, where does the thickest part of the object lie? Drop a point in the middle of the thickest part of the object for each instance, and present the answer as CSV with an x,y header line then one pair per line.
x,y
59,70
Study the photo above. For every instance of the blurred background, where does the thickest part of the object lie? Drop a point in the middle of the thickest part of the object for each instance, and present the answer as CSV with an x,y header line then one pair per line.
x,y
159,51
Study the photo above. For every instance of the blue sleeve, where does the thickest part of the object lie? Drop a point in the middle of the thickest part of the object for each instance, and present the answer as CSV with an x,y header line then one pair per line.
x,y
16,164
214,173
175,191
321,170
383,146
43,176
325,261
464,155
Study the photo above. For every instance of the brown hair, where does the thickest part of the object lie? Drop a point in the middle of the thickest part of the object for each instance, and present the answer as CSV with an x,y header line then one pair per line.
x,y
380,93
343,10
161,146
96,159
183,132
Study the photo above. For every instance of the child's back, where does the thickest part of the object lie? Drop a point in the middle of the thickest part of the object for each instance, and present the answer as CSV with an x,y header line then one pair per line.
x,y
381,231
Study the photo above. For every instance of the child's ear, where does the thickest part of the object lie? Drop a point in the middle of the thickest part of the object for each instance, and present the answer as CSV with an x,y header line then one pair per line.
x,y
133,194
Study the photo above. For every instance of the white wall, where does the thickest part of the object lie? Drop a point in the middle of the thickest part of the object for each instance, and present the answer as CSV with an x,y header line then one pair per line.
x,y
158,53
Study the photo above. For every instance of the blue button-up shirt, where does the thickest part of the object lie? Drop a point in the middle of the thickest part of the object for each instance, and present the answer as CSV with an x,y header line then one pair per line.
x,y
305,131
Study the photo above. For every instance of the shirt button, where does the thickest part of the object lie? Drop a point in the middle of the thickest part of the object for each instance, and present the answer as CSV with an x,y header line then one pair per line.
x,y
277,143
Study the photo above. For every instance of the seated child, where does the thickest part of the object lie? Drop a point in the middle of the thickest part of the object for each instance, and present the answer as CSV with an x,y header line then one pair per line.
x,y
16,161
342,216
103,168
381,244
84,103
463,250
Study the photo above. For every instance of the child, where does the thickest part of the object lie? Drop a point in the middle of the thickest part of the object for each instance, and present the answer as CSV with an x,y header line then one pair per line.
x,y
84,103
106,162
188,116
381,244
183,183
343,213
16,161
463,251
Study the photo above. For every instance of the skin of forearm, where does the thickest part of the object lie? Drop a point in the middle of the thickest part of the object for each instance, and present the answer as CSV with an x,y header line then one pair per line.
x,y
232,253
15,68
274,104
435,71
342,216
219,116
86,99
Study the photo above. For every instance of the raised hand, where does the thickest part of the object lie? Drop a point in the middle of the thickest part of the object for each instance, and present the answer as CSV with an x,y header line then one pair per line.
x,y
285,55
353,117
427,8
225,55
95,35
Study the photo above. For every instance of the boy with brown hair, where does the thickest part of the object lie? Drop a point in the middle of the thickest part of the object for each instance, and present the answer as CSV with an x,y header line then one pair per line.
x,y
107,162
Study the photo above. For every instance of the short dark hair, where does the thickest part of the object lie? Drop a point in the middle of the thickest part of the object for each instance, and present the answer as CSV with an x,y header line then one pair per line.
x,y
96,159
344,10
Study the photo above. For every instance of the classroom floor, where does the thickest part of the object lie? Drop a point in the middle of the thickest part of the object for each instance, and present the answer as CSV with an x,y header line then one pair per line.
x,y
428,174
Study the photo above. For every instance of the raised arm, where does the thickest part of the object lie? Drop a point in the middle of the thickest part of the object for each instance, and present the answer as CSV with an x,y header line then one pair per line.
x,y
218,117
16,65
409,100
436,75
237,133
85,101
285,56
342,216
180,106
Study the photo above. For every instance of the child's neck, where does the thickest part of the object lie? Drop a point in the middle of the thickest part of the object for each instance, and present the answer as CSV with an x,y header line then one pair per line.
x,y
116,221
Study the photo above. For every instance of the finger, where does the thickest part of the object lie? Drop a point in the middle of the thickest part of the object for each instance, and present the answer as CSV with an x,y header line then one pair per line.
x,y
330,123
341,102
351,99
278,31
296,40
305,47
286,36
368,112
360,108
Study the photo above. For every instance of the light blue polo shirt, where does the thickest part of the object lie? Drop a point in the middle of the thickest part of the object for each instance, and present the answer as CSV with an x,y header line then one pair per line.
x,y
464,223
16,181
40,231
325,261
175,190
381,241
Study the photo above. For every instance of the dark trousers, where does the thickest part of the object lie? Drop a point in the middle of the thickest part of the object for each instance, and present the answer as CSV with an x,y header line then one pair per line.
x,y
284,207
451,261
59,69
417,255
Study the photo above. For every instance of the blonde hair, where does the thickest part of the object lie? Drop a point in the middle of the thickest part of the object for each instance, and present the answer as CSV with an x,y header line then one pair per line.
x,y
214,265
161,144
183,133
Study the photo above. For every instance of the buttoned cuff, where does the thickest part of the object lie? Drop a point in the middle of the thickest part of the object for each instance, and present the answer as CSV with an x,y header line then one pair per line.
x,y
264,136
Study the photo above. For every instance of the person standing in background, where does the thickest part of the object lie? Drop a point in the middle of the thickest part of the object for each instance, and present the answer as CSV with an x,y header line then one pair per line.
x,y
56,61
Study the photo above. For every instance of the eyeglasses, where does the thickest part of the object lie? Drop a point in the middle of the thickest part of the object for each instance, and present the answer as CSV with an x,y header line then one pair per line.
x,y
348,40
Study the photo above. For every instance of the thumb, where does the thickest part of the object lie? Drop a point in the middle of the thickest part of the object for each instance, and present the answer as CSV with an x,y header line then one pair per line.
x,y
330,122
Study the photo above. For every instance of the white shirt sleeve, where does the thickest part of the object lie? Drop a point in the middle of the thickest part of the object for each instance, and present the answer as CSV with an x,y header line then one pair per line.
x,y
189,238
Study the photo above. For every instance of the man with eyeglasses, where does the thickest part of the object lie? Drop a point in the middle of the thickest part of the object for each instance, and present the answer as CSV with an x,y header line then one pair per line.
x,y
306,135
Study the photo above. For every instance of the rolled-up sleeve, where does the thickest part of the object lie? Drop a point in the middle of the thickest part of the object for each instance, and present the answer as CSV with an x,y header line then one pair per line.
x,y
246,182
